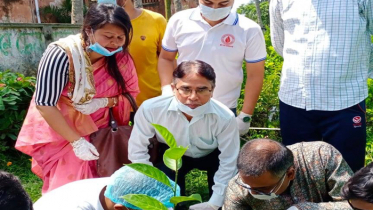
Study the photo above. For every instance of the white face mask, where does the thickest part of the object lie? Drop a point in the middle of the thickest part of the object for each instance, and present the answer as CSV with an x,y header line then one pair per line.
x,y
214,14
192,112
271,195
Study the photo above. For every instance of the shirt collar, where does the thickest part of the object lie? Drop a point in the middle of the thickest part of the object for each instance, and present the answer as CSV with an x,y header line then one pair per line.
x,y
232,18
173,106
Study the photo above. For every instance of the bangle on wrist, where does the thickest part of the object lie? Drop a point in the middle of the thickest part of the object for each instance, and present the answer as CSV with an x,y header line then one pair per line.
x,y
114,101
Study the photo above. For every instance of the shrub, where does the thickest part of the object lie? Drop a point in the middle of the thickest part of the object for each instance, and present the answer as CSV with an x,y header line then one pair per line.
x,y
15,94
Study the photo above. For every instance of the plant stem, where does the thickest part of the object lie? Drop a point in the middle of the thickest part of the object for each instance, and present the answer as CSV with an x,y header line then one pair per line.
x,y
176,173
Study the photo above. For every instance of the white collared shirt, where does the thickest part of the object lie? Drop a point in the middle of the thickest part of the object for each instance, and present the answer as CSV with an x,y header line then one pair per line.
x,y
216,128
224,46
326,50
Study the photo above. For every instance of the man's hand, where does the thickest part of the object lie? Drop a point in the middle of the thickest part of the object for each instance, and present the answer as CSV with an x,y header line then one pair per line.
x,y
204,206
243,121
93,106
84,150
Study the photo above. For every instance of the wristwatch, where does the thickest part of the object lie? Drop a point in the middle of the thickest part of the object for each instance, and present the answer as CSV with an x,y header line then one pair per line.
x,y
246,119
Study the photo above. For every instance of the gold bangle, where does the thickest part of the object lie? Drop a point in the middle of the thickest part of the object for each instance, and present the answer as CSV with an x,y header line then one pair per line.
x,y
114,101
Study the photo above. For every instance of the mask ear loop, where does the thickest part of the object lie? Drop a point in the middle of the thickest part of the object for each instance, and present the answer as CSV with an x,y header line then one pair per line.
x,y
90,41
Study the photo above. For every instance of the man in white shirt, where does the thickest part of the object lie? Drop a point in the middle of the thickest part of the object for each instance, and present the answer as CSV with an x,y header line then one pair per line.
x,y
105,193
203,124
223,39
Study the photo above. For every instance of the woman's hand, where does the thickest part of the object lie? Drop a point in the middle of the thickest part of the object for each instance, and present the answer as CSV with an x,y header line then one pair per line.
x,y
93,106
84,150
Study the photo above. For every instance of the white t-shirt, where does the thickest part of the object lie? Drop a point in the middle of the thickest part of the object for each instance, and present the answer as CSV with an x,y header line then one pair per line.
x,y
224,46
78,195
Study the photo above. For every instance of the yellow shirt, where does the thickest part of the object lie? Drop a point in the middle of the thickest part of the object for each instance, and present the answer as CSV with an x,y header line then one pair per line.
x,y
148,31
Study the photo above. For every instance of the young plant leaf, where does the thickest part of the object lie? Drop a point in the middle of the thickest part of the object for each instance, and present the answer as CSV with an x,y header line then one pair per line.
x,y
144,202
175,153
151,172
167,135
172,163
177,199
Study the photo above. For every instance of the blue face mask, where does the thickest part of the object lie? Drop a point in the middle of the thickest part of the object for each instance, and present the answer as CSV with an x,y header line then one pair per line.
x,y
96,47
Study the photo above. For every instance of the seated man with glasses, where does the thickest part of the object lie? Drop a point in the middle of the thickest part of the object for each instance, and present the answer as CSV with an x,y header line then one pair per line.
x,y
196,120
307,175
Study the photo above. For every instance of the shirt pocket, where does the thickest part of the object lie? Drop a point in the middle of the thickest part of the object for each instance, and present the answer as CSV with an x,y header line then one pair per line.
x,y
205,143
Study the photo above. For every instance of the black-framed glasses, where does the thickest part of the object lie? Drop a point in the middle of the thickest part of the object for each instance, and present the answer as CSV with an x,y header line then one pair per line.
x,y
276,187
199,91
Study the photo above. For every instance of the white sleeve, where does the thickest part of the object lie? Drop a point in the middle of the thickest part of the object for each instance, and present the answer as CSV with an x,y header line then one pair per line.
x,y
141,133
229,146
255,46
169,41
277,26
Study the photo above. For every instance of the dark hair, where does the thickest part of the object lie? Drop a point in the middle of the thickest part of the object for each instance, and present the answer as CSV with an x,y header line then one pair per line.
x,y
260,155
97,16
200,67
360,186
12,194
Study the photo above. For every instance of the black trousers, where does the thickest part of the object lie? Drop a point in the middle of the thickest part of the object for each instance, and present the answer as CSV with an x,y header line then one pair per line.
x,y
344,129
209,163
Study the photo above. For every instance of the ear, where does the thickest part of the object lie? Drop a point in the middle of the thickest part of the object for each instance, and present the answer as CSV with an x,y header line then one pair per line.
x,y
173,86
291,173
119,207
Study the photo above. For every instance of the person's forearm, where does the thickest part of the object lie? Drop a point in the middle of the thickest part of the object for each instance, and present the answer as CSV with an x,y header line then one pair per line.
x,y
165,69
253,88
58,123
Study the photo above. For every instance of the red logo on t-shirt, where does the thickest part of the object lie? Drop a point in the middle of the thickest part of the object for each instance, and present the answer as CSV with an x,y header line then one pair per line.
x,y
227,40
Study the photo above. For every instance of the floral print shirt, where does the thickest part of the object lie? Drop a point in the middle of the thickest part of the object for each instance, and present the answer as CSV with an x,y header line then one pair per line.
x,y
320,174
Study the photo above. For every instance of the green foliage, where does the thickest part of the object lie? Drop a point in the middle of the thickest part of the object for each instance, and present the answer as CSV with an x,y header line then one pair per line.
x,y
369,120
172,159
178,199
150,172
167,136
62,14
144,202
249,10
15,94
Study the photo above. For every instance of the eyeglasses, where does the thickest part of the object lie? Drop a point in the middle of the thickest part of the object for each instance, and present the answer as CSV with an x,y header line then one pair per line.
x,y
184,91
276,187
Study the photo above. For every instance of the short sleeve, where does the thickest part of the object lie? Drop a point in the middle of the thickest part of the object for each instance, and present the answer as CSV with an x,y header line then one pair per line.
x,y
52,76
255,46
169,42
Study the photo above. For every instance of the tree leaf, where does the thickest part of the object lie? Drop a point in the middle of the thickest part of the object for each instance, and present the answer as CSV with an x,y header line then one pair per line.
x,y
151,172
2,107
144,202
167,135
12,136
175,153
177,199
172,163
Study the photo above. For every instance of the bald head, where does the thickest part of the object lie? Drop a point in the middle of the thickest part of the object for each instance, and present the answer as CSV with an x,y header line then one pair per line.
x,y
261,155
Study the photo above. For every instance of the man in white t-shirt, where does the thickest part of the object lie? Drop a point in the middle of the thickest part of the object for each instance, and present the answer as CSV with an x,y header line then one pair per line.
x,y
223,39
105,193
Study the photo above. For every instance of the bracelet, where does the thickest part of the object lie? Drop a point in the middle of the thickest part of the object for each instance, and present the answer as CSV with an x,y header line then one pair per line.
x,y
114,101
